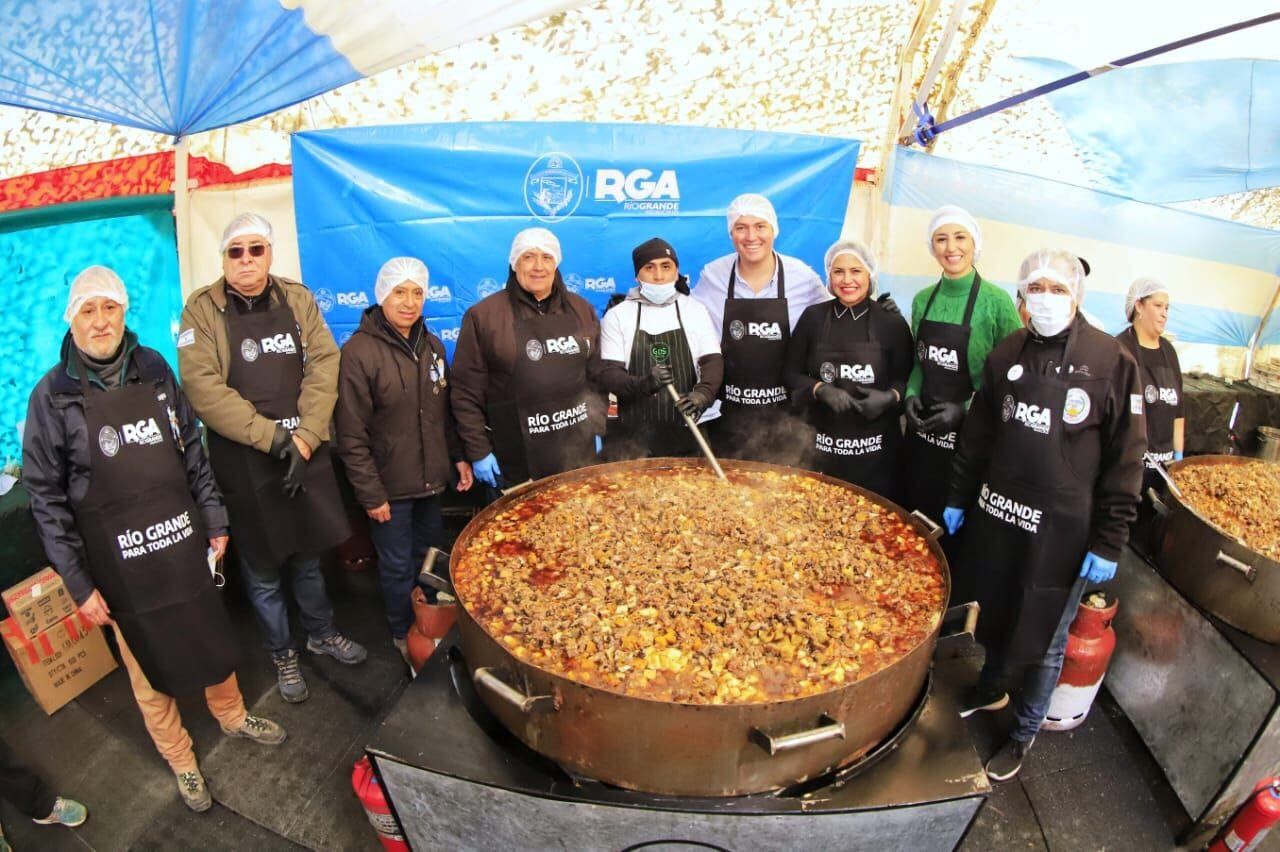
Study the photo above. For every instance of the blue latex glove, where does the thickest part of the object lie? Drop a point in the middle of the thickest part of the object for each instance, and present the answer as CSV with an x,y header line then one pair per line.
x,y
486,470
952,519
1097,569
1177,455
599,445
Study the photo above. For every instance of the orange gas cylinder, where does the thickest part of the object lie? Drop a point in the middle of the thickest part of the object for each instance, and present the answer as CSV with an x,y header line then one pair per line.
x,y
432,620
1090,643
369,792
420,648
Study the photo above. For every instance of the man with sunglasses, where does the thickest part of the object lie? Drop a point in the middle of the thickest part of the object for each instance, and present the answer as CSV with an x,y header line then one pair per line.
x,y
261,369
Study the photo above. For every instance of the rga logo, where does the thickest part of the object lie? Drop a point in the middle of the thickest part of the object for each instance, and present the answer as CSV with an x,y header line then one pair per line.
x,y
439,294
1033,417
765,330
827,372
567,345
638,191
450,334
249,350
356,299
143,433
534,350
324,300
863,374
108,441
1169,396
737,330
943,357
487,287
553,187
600,285
278,344
573,282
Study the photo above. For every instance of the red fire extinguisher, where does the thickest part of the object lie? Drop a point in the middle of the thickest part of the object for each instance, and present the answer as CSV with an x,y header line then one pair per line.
x,y
370,794
1090,643
1254,819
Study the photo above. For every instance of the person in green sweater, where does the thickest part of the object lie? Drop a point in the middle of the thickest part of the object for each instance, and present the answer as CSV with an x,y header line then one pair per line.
x,y
955,324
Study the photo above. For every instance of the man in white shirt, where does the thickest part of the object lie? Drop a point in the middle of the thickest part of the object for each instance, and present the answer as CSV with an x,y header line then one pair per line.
x,y
755,297
658,335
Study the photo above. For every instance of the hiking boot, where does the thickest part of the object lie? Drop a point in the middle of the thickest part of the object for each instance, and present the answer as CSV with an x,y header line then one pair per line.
x,y
262,731
340,648
195,794
1008,760
66,812
981,696
289,677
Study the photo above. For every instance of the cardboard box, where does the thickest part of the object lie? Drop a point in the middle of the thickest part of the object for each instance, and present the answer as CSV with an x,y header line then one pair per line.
x,y
38,602
61,662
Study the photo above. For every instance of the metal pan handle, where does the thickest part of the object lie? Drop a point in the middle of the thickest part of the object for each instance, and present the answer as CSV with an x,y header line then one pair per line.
x,y
960,620
935,529
485,677
826,729
432,579
1161,509
519,486
1250,572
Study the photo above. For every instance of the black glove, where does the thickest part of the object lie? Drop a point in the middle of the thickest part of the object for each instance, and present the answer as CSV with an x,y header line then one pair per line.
x,y
659,375
282,438
914,409
945,417
873,404
837,399
693,404
886,301
297,468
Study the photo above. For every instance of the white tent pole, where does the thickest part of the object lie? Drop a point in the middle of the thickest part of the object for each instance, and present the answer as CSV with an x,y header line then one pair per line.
x,y
1257,335
182,214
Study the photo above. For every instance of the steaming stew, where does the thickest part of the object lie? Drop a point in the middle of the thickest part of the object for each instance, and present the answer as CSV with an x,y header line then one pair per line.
x,y
676,586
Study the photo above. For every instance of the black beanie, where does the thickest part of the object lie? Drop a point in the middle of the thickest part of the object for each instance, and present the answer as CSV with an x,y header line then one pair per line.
x,y
652,250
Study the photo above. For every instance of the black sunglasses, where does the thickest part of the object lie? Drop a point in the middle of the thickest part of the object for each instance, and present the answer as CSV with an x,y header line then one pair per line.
x,y
255,250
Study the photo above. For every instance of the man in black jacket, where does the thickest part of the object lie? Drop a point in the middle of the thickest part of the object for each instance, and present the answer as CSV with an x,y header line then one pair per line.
x,y
1048,470
130,518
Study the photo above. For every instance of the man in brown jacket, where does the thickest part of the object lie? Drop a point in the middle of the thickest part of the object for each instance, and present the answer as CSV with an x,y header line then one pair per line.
x,y
525,372
395,432
261,370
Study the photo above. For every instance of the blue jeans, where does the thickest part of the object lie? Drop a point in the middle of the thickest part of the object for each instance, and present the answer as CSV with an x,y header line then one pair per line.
x,y
266,591
402,544
1039,680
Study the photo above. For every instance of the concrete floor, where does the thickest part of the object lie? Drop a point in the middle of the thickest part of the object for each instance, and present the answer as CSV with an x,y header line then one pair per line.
x,y
1090,789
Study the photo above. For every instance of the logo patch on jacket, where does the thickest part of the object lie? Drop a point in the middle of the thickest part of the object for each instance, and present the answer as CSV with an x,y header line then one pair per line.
x,y
1033,417
108,441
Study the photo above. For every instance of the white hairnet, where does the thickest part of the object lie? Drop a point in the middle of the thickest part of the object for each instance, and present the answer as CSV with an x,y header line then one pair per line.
x,y
534,238
95,281
246,224
751,204
396,271
855,248
1053,265
1141,288
950,214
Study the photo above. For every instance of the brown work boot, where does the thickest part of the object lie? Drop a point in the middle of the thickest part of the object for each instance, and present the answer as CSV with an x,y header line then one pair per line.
x,y
259,730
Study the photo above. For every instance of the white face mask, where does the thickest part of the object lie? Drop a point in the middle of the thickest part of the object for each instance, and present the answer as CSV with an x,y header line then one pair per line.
x,y
659,294
1050,312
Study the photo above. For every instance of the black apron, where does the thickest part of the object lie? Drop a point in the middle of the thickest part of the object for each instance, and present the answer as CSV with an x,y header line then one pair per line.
x,y
863,452
145,543
546,429
753,340
943,351
651,426
1024,542
1160,391
266,369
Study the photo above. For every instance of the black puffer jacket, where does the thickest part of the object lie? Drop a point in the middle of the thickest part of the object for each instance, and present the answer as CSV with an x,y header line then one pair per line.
x,y
394,428
55,456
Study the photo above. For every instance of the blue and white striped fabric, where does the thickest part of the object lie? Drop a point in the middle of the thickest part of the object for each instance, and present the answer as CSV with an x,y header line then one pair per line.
x,y
183,66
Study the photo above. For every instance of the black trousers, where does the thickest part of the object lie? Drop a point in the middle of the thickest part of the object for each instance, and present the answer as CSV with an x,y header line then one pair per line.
x,y
22,787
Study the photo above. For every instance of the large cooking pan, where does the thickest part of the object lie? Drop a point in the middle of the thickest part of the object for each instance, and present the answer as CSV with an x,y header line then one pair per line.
x,y
1213,568
686,749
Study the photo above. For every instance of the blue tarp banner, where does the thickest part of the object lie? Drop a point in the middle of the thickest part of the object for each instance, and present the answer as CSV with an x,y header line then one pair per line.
x,y
454,195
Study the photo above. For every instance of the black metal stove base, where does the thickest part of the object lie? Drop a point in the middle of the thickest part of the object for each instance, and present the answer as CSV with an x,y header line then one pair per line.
x,y
458,780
